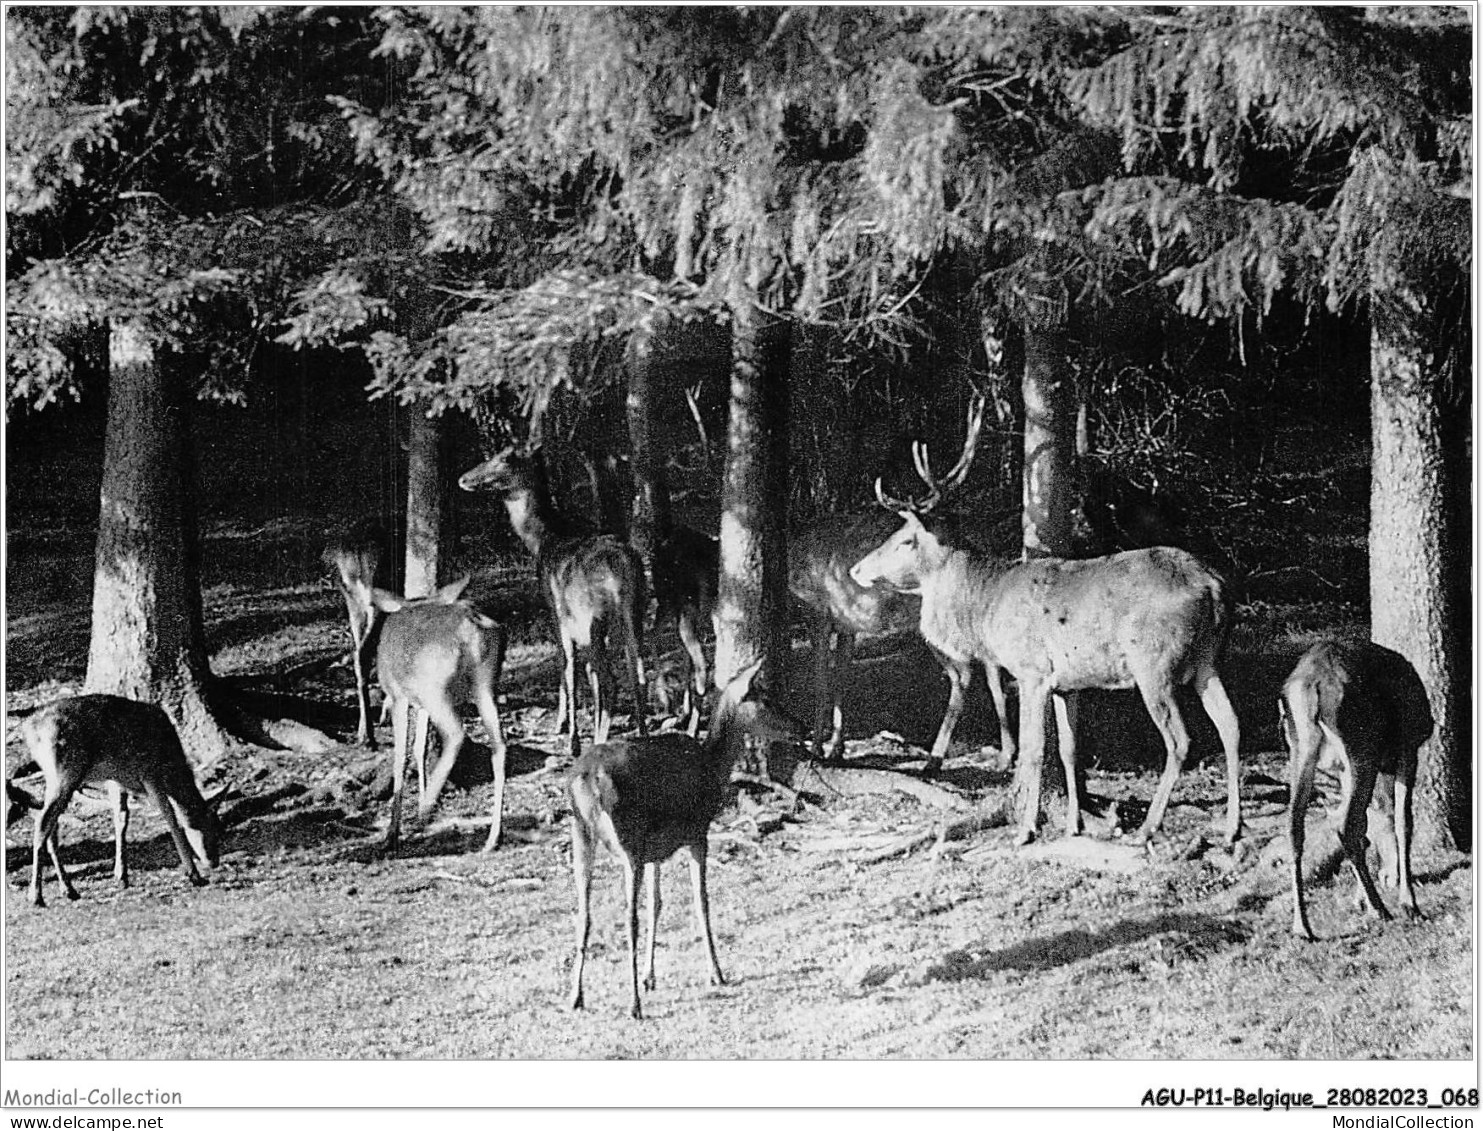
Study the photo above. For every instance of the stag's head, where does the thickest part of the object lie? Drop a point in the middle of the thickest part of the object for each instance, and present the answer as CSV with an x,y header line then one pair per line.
x,y
915,551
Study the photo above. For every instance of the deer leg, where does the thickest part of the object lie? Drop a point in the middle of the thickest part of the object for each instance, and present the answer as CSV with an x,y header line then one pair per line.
x,y
1165,713
651,877
699,675
819,633
634,649
422,721
632,881
187,855
119,802
1066,741
703,906
489,712
400,708
599,680
995,676
582,875
1303,750
451,733
45,832
360,639
959,674
1404,781
566,697
842,660
1359,786
1217,705
1032,755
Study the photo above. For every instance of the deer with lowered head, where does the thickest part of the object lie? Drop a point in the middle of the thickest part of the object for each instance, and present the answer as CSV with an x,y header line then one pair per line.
x,y
1363,709
1154,619
134,748
649,796
593,584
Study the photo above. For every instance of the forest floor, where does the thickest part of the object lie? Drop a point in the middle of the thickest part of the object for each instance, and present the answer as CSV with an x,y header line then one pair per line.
x,y
847,926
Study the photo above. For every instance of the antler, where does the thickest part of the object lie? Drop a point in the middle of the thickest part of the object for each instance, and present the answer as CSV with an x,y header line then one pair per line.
x,y
956,474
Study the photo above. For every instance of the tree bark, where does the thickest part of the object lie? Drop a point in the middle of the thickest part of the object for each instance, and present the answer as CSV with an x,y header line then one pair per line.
x,y
148,641
428,503
651,510
1050,444
751,612
1414,606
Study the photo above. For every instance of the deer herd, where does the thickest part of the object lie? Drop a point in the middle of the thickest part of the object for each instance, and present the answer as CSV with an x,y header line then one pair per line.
x,y
1152,619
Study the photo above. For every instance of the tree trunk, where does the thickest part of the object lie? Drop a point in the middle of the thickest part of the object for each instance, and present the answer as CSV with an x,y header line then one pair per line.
x,y
1050,444
1413,554
651,513
1050,496
751,611
428,527
147,637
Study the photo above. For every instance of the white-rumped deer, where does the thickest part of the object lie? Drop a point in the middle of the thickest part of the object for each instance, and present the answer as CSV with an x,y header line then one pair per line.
x,y
1362,708
648,797
435,654
133,746
1152,619
593,584
355,556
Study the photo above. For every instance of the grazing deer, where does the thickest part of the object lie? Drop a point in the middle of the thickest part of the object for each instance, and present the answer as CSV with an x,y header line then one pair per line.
x,y
88,739
355,557
687,565
435,654
1154,619
593,583
650,796
1362,707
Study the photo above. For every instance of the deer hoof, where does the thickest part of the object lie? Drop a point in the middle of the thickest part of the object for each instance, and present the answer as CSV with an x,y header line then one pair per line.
x,y
1411,912
636,1012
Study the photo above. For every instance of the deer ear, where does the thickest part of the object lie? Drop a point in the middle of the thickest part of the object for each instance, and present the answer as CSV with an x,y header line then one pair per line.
x,y
453,590
387,602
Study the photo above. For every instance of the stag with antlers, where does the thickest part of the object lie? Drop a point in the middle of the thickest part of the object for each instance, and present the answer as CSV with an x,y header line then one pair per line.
x,y
1153,619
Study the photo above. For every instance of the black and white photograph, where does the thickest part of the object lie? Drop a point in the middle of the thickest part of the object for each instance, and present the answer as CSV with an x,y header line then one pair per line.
x,y
907,543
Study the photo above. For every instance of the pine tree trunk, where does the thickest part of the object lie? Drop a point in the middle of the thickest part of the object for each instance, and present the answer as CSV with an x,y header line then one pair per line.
x,y
147,637
1413,553
428,533
1050,444
651,513
751,611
